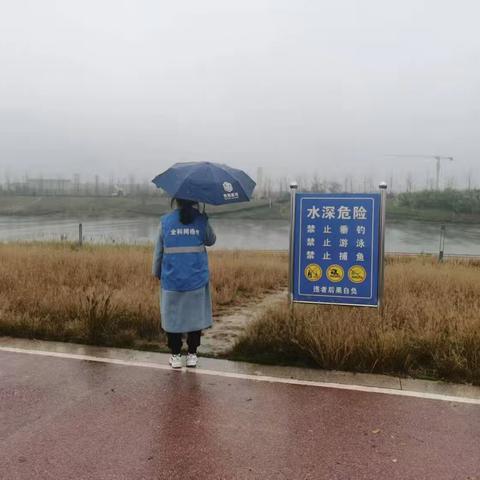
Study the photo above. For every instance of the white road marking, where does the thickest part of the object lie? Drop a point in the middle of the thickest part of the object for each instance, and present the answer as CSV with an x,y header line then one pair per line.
x,y
257,378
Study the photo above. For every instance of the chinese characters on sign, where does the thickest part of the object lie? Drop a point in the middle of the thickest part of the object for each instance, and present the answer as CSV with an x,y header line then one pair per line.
x,y
336,248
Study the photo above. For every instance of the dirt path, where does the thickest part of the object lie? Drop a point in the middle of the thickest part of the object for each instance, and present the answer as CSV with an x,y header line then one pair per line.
x,y
227,328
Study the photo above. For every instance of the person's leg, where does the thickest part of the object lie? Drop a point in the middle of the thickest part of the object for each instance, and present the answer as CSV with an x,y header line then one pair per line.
x,y
193,341
174,342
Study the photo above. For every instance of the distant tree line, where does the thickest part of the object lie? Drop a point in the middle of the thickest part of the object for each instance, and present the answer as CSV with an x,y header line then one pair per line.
x,y
456,201
74,187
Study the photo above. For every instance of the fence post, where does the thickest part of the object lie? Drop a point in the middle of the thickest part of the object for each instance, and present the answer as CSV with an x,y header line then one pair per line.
x,y
80,234
442,243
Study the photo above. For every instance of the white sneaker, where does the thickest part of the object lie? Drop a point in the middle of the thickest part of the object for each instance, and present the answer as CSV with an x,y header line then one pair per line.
x,y
175,361
192,360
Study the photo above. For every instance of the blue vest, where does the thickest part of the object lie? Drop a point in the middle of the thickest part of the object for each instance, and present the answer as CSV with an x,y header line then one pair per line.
x,y
185,261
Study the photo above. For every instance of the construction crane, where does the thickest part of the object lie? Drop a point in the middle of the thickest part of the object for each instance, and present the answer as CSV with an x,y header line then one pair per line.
x,y
438,158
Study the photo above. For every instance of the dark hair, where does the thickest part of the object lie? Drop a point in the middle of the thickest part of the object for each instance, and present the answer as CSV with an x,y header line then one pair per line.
x,y
187,210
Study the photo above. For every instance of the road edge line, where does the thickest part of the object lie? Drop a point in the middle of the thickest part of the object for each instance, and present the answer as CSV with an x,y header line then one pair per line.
x,y
245,376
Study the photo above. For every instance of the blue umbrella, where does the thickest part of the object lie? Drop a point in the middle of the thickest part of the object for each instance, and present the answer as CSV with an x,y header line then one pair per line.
x,y
206,182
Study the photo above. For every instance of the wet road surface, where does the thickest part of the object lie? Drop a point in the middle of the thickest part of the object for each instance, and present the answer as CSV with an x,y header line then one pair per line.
x,y
70,419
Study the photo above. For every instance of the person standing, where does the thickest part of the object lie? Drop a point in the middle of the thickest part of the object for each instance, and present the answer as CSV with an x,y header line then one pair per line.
x,y
180,262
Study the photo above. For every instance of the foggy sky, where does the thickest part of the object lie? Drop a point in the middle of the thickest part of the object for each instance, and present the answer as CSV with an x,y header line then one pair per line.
x,y
120,87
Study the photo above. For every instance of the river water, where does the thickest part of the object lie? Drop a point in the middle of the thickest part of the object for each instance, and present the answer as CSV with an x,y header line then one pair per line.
x,y
405,236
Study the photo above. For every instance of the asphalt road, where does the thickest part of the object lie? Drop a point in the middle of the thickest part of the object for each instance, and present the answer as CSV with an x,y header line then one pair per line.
x,y
65,418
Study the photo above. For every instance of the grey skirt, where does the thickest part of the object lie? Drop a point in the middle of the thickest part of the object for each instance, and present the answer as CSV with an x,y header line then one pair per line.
x,y
183,312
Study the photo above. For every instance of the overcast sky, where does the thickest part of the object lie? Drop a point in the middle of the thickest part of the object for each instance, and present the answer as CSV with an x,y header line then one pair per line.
x,y
120,87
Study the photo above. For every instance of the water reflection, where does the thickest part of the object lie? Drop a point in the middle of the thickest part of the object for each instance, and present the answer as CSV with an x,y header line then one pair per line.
x,y
405,236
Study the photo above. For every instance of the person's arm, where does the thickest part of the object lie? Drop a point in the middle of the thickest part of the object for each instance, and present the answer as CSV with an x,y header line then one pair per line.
x,y
158,255
210,237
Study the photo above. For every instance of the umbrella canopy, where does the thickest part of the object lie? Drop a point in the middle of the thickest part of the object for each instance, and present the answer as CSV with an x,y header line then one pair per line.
x,y
206,182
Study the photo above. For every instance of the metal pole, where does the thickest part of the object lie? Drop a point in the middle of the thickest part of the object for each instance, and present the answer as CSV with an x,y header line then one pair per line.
x,y
381,265
442,243
293,190
80,234
437,181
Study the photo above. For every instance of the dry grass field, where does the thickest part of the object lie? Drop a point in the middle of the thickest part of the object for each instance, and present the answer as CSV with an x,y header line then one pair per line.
x,y
106,295
429,327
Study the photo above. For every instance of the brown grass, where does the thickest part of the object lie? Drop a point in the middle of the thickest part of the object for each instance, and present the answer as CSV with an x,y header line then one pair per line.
x,y
105,294
429,327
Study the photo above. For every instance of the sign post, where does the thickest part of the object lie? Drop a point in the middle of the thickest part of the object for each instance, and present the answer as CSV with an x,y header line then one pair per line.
x,y
293,190
383,214
336,248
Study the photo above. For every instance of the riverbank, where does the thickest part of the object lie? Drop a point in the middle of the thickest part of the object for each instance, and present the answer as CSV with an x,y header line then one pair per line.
x,y
84,207
397,213
104,295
